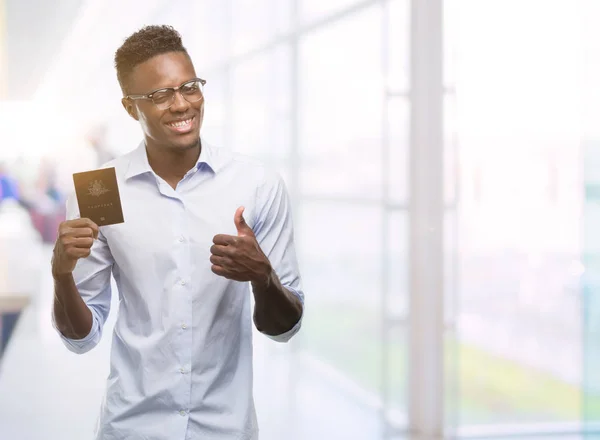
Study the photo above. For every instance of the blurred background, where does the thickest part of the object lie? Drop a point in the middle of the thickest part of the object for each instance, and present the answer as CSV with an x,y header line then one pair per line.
x,y
443,158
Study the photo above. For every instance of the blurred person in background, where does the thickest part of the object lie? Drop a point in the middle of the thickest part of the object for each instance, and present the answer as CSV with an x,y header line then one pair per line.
x,y
19,247
202,226
47,204
9,187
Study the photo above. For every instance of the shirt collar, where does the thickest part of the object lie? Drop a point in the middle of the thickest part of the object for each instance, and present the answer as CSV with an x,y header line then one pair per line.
x,y
138,160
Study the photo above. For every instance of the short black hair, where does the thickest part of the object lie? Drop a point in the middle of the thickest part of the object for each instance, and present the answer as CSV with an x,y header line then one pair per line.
x,y
144,44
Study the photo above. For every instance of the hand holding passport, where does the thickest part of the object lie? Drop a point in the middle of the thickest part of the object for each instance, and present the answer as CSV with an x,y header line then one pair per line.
x,y
98,196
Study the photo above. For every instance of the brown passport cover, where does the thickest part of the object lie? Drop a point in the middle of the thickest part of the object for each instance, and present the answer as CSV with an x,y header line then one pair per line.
x,y
98,196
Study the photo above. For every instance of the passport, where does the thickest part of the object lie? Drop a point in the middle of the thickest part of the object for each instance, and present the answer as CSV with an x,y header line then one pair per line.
x,y
98,196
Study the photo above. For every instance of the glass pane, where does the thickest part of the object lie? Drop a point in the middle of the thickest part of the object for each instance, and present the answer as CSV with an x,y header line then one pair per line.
x,y
519,319
341,108
591,238
166,13
398,25
343,270
256,22
451,341
215,118
261,100
452,383
207,35
451,149
397,265
451,253
396,386
399,135
591,286
451,48
311,10
395,308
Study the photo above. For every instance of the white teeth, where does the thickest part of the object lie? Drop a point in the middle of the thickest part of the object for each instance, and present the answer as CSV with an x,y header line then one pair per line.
x,y
181,123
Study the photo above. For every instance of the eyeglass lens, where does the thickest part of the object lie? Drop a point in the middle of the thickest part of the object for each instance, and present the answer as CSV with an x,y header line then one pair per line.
x,y
192,92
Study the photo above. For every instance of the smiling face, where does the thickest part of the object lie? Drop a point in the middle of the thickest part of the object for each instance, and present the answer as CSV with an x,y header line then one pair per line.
x,y
178,127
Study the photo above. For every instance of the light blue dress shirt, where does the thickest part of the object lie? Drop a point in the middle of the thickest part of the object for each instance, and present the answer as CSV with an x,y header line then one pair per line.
x,y
181,359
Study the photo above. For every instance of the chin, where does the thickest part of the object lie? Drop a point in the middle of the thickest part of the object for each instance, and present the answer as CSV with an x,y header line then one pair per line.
x,y
185,144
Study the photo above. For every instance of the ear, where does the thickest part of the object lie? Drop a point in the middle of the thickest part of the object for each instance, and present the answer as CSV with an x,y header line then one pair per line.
x,y
130,108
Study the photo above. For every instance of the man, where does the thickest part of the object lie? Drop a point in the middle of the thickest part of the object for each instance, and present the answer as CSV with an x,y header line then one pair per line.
x,y
201,226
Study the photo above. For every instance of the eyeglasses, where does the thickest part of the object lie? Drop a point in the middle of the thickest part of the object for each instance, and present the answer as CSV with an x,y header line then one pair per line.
x,y
192,91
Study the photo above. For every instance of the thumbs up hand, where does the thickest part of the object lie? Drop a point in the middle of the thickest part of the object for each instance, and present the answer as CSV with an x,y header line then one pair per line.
x,y
240,258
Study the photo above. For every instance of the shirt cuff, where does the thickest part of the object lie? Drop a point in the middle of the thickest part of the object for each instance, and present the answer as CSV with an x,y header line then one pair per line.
x,y
285,337
84,345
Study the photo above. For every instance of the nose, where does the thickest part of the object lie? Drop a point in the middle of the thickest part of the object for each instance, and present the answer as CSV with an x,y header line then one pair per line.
x,y
179,103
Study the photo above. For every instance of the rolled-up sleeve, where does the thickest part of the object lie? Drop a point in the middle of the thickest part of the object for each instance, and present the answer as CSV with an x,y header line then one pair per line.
x,y
274,232
92,278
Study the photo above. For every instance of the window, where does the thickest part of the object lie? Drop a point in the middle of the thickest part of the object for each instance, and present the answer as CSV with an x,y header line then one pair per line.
x,y
398,45
395,316
341,108
311,10
590,270
398,132
256,22
518,343
215,108
353,246
341,257
208,34
261,106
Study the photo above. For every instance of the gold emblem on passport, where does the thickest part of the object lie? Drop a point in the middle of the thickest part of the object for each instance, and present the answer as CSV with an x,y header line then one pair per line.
x,y
97,188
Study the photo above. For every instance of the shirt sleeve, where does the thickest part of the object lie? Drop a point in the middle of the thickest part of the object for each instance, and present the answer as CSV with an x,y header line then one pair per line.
x,y
275,234
92,278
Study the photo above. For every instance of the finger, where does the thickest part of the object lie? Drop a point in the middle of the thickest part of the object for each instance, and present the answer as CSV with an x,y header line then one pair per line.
x,y
221,251
76,253
240,223
82,232
78,242
219,270
221,261
224,239
84,223
83,242
238,219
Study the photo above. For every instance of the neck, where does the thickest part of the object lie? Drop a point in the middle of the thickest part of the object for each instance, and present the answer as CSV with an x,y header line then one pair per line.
x,y
170,163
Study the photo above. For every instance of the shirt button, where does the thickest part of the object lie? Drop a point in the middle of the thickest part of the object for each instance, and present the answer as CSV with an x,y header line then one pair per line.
x,y
182,370
183,326
182,282
181,239
182,412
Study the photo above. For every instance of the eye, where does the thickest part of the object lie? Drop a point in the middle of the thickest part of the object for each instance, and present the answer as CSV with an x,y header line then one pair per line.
x,y
191,88
162,96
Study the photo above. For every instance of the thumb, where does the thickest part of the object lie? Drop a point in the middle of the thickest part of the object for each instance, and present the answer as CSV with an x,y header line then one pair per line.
x,y
240,224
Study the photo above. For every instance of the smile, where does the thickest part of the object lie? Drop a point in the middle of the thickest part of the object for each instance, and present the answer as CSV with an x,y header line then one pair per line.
x,y
181,126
